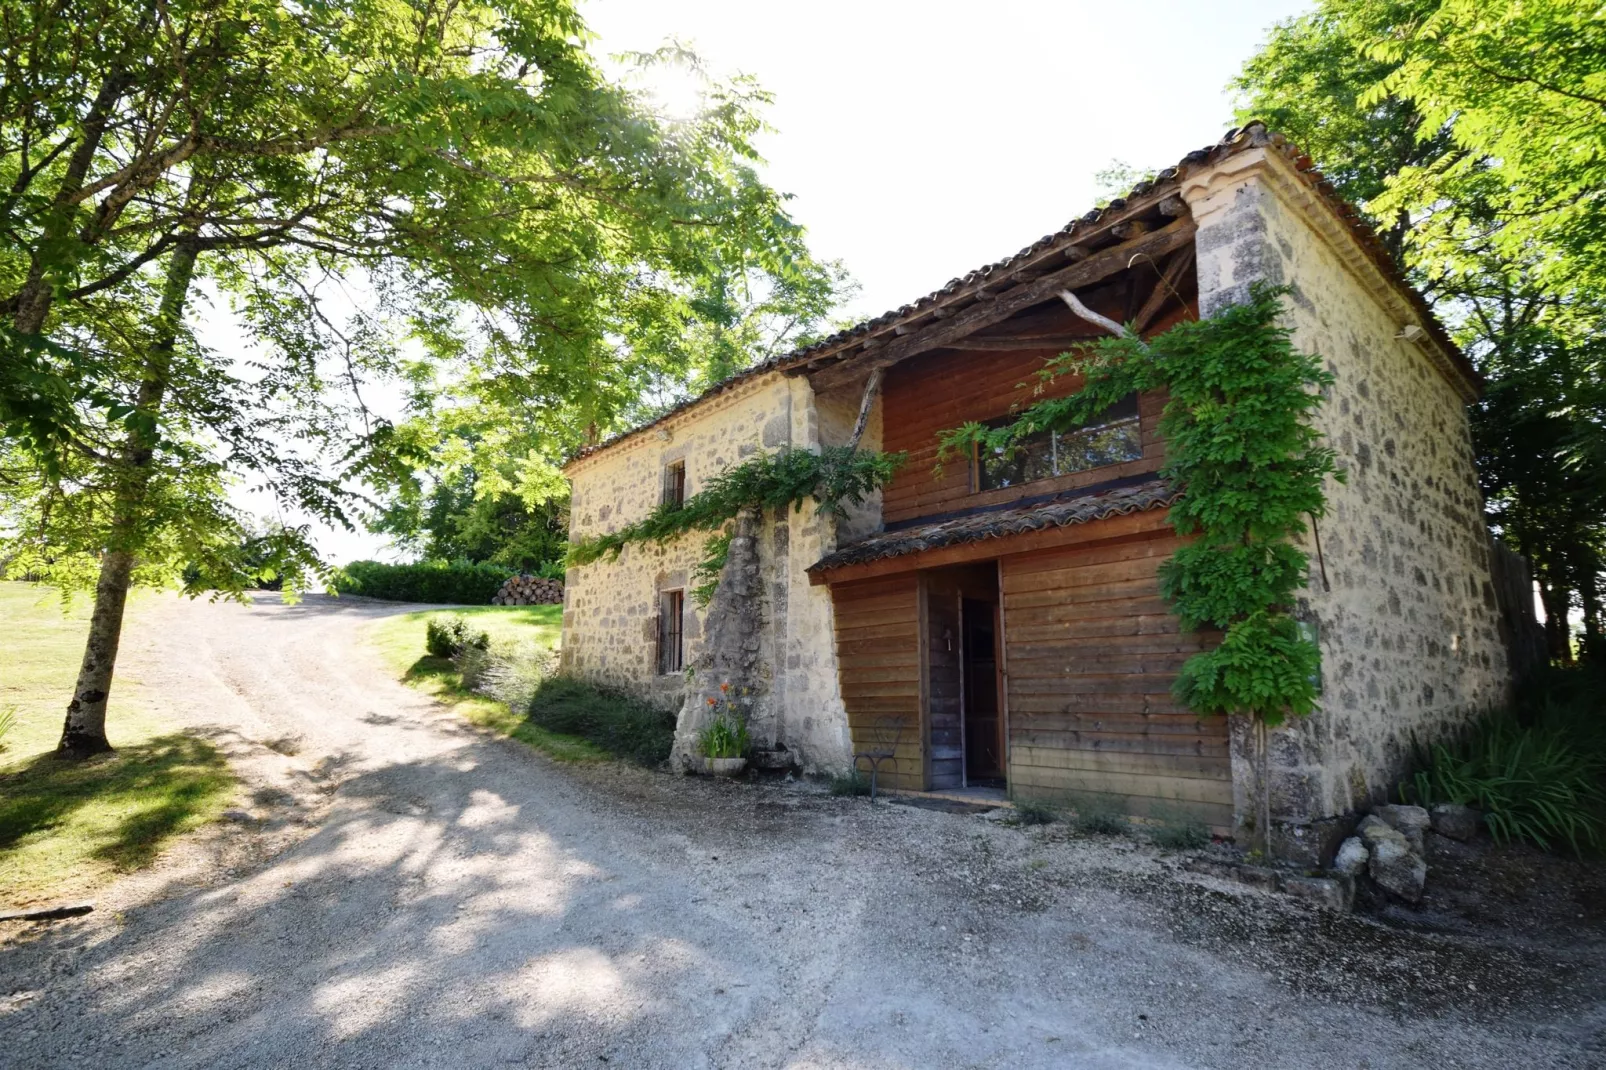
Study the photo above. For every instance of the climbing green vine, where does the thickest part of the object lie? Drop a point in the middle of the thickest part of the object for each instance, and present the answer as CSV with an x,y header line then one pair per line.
x,y
1241,447
834,478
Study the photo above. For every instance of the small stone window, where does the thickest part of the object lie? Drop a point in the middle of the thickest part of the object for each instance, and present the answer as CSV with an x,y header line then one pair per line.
x,y
1111,437
671,631
675,484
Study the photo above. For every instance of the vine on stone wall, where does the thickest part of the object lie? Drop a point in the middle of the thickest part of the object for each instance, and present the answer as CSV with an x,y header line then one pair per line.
x,y
1241,446
834,478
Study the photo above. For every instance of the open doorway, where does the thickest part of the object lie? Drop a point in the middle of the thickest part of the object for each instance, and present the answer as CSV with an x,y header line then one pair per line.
x,y
984,728
964,715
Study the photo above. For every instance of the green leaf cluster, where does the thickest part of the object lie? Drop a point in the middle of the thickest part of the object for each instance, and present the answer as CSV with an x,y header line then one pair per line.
x,y
723,737
833,478
1472,133
1242,448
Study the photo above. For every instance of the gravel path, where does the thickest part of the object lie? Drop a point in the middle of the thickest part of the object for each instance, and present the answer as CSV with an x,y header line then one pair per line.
x,y
418,893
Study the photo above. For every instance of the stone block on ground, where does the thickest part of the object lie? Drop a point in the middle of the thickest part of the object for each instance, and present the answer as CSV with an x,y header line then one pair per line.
x,y
1412,822
1393,865
1352,857
1456,822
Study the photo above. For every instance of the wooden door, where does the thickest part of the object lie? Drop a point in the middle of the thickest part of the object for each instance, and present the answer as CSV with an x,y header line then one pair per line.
x,y
944,679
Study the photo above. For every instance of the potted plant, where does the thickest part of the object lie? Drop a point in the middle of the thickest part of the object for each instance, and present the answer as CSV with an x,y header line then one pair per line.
x,y
723,741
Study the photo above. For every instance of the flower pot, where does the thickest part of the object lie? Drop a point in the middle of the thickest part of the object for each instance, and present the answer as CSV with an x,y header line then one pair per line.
x,y
724,766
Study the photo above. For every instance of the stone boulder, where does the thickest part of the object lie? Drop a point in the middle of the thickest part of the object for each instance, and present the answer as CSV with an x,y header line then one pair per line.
x,y
1393,865
1352,857
1456,822
1412,822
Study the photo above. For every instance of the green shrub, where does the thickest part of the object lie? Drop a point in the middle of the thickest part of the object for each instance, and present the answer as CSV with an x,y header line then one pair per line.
x,y
1542,782
1098,816
852,782
1035,812
1179,836
614,721
429,581
447,637
509,672
723,737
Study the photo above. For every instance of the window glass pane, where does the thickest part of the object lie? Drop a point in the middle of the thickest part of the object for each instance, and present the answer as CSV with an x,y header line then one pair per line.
x,y
1113,437
671,642
1032,459
675,484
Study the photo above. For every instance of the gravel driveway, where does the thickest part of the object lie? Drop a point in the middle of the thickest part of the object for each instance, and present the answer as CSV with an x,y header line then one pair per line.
x,y
417,893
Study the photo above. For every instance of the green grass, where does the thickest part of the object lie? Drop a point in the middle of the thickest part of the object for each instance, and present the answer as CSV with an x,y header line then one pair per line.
x,y
400,641
67,828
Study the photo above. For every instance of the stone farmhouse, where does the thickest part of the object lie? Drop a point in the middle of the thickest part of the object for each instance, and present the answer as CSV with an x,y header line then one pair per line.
x,y
1000,622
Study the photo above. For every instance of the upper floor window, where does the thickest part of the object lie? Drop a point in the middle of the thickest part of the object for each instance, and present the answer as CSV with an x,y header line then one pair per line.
x,y
675,484
1111,437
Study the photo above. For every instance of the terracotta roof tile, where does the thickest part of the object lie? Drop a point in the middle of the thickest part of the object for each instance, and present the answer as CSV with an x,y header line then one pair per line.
x,y
1072,507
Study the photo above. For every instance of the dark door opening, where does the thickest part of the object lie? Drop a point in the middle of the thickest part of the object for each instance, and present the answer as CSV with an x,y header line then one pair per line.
x,y
964,724
984,735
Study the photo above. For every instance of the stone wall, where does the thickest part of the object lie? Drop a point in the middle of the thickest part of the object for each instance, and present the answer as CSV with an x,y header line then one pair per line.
x,y
610,606
1407,619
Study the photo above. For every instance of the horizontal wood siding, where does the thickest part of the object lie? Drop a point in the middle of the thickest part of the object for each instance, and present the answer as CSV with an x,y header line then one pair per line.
x,y
929,395
878,662
1092,652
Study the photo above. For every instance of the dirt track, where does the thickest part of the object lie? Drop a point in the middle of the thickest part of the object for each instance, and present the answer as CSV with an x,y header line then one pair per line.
x,y
421,894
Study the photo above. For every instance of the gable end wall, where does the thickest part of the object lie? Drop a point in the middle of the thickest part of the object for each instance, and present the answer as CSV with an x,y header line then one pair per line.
x,y
610,606
1409,632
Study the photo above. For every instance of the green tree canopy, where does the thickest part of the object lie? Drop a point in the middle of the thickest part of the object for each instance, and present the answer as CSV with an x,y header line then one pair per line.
x,y
507,209
1473,136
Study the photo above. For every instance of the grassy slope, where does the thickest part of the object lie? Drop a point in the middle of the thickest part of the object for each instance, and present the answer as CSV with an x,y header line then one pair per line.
x,y
400,641
67,827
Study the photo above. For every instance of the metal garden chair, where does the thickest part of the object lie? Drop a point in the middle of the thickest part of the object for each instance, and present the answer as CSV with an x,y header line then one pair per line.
x,y
881,744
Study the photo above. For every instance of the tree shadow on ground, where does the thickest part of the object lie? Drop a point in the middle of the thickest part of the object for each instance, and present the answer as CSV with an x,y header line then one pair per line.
x,y
117,809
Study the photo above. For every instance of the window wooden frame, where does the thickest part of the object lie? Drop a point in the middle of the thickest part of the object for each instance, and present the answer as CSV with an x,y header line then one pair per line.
x,y
674,484
671,652
1100,422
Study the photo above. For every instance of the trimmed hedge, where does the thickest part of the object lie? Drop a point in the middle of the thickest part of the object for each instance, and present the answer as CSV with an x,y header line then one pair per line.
x,y
428,581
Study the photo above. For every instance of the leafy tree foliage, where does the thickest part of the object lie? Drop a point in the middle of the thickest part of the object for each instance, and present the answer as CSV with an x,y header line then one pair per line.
x,y
450,522
1241,446
377,190
1473,136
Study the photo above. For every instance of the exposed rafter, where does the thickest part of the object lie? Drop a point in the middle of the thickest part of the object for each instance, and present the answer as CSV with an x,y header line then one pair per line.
x,y
1167,287
1096,267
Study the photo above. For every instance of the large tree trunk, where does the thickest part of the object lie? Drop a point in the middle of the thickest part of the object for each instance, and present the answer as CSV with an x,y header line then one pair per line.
x,y
84,732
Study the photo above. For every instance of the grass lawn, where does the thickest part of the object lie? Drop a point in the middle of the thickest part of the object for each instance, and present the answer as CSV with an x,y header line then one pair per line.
x,y
68,827
400,640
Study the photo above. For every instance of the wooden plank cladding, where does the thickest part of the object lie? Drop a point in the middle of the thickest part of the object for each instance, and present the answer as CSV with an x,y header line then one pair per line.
x,y
879,666
927,396
1092,652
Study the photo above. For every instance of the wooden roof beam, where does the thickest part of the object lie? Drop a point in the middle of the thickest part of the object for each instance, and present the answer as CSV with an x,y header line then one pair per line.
x,y
1166,286
1098,266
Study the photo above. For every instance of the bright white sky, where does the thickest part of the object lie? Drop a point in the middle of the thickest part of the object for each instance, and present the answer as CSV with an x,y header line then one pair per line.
x,y
922,140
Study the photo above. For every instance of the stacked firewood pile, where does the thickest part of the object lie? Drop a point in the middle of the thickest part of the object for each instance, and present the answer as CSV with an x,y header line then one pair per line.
x,y
529,591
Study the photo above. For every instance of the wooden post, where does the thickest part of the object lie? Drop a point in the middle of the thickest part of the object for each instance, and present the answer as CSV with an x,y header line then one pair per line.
x,y
871,386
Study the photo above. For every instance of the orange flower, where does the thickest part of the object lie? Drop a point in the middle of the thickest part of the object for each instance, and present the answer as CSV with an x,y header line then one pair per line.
x,y
726,686
710,701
